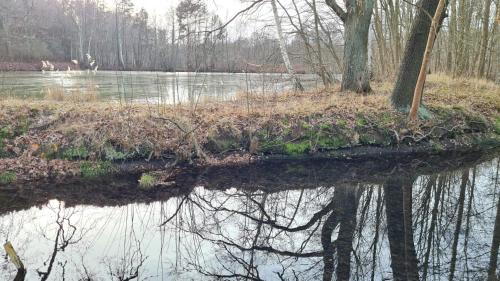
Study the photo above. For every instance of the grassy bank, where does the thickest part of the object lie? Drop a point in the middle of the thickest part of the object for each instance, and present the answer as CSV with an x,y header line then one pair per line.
x,y
73,137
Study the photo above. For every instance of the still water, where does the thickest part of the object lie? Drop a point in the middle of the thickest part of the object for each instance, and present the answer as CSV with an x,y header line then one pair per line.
x,y
151,87
404,219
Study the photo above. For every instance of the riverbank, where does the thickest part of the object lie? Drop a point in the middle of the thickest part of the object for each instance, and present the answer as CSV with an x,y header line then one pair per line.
x,y
72,137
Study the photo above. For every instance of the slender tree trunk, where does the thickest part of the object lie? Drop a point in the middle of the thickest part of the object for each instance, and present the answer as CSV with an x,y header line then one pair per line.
x,y
323,72
495,243
284,52
458,227
484,38
119,48
409,70
419,88
432,227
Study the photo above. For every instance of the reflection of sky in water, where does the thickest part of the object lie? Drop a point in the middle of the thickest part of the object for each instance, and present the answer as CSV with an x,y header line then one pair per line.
x,y
110,237
151,87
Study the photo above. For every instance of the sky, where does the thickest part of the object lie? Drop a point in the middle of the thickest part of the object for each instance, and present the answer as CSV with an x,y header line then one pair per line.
x,y
225,9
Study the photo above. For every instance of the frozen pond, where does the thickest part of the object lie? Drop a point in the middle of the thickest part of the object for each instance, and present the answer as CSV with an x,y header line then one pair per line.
x,y
152,87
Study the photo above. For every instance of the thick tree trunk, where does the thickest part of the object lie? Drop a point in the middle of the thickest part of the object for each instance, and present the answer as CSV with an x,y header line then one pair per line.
x,y
419,88
356,19
402,95
284,52
398,193
356,76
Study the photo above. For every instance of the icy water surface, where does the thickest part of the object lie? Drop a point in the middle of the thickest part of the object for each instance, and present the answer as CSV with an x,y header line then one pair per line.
x,y
317,220
151,87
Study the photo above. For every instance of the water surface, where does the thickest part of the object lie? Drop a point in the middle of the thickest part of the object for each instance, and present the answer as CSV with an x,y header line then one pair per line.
x,y
152,87
375,220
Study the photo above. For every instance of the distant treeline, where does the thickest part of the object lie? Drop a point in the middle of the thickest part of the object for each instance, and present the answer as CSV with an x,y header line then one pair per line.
x,y
121,39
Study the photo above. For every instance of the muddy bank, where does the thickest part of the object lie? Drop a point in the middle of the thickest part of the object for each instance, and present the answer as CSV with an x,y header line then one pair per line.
x,y
266,175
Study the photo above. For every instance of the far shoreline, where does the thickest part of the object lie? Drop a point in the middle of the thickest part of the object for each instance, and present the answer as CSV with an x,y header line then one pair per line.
x,y
63,66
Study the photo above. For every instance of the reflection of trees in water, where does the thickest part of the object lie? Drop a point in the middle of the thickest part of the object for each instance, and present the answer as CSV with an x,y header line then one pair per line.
x,y
341,233
435,227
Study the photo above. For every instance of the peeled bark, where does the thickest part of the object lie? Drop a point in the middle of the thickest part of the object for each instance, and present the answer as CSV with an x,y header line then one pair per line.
x,y
419,88
284,52
409,70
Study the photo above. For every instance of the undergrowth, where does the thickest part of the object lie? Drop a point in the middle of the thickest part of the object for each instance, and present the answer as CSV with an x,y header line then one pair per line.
x,y
100,133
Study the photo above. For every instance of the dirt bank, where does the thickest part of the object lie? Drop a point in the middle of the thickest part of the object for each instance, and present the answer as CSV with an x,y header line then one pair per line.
x,y
67,138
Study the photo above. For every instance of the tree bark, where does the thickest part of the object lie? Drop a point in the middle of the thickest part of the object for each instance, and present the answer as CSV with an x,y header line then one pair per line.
x,y
119,48
284,52
458,226
356,19
402,95
492,269
484,38
419,88
398,193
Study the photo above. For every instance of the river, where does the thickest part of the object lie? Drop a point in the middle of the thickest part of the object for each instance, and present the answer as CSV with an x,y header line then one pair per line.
x,y
145,87
301,220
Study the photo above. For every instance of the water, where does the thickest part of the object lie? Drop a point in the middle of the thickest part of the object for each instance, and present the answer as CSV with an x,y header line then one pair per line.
x,y
153,87
275,221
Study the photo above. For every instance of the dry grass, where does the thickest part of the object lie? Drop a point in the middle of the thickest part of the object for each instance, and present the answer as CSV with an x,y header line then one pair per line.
x,y
59,94
112,131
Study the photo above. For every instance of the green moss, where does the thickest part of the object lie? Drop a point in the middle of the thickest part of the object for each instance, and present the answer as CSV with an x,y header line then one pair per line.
x,y
272,146
7,177
76,153
374,138
332,142
361,121
342,124
112,154
147,181
497,126
296,149
326,127
437,147
96,169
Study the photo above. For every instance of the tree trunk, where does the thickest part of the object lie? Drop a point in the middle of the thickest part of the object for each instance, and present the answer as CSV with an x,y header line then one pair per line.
x,y
492,269
119,48
356,19
419,88
402,95
398,193
284,52
356,76
458,226
484,38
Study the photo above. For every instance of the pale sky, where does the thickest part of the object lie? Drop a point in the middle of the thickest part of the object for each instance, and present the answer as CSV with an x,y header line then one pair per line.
x,y
225,9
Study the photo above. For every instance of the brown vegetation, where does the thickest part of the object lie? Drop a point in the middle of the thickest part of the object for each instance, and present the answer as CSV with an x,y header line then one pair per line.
x,y
47,138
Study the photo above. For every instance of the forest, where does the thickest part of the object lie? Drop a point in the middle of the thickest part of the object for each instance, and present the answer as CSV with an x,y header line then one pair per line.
x,y
250,140
192,37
